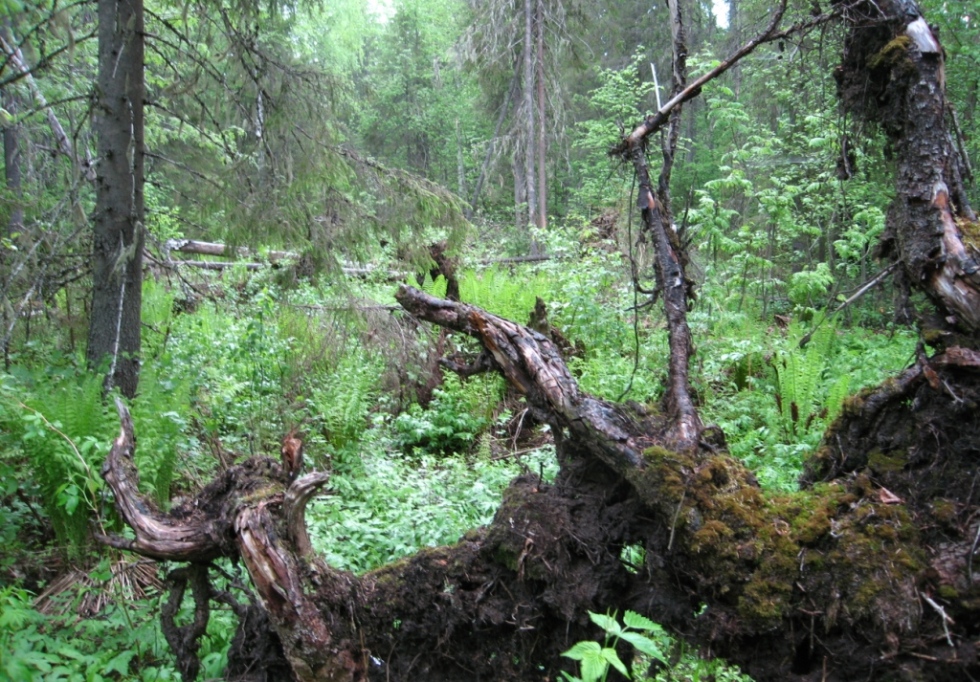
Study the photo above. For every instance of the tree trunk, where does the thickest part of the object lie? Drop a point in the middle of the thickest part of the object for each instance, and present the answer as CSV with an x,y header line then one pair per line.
x,y
541,146
117,255
12,169
530,179
894,74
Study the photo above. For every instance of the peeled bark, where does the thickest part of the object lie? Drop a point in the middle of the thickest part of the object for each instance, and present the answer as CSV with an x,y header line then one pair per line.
x,y
893,74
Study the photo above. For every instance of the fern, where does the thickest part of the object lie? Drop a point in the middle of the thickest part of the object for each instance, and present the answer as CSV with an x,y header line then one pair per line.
x,y
799,376
342,400
58,425
160,411
501,293
839,390
434,287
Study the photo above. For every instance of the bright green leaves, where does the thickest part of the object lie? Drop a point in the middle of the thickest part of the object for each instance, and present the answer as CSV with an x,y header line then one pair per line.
x,y
620,99
809,287
595,660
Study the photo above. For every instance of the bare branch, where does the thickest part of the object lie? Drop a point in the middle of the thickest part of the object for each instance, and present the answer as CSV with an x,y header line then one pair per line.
x,y
657,120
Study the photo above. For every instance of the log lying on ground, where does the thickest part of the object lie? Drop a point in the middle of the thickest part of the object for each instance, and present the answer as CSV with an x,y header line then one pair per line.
x,y
834,583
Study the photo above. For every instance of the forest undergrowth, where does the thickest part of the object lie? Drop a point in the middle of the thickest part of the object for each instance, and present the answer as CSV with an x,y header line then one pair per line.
x,y
238,361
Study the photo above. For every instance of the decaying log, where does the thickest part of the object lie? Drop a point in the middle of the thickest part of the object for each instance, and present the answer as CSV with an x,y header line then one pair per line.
x,y
830,584
532,363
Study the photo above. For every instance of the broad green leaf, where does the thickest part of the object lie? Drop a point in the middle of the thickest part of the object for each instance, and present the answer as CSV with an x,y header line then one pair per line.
x,y
594,666
607,623
581,650
645,645
612,658
638,622
120,663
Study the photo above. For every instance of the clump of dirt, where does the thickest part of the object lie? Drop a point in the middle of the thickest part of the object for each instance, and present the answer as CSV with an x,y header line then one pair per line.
x,y
920,441
917,441
508,599
872,78
256,653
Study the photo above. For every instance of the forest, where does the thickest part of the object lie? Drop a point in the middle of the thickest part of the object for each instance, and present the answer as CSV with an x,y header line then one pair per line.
x,y
489,340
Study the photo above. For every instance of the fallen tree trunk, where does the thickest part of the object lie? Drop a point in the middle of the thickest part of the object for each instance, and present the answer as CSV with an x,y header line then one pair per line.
x,y
834,583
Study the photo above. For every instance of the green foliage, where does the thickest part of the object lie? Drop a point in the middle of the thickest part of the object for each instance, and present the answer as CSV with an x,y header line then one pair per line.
x,y
775,228
646,637
773,399
395,505
453,419
651,644
341,400
620,100
809,287
798,374
53,428
499,292
124,643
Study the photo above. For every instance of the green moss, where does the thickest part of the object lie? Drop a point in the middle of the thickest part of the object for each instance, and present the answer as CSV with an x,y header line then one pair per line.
x,y
934,337
710,534
882,463
944,511
948,592
263,492
853,405
505,558
970,230
895,53
764,554
663,477
763,602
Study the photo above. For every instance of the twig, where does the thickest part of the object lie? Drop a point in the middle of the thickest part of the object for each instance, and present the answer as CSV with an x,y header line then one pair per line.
x,y
942,615
673,524
516,453
656,121
862,290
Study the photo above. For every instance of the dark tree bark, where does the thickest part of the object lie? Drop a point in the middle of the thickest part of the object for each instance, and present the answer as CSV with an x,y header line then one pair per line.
x,y
867,573
117,255
894,75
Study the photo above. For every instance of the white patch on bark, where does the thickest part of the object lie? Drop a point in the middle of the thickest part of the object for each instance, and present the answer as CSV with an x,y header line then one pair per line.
x,y
921,34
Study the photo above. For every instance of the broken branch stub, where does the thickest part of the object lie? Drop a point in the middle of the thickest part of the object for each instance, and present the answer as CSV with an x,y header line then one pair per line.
x,y
197,536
